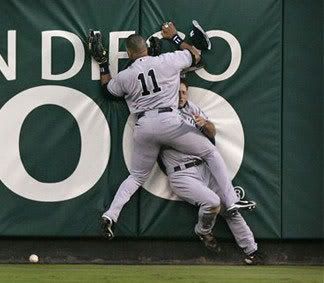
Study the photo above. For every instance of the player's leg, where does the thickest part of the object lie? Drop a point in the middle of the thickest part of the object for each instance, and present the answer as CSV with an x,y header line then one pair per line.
x,y
136,179
241,232
229,199
189,140
190,189
144,156
226,194
239,228
188,186
244,238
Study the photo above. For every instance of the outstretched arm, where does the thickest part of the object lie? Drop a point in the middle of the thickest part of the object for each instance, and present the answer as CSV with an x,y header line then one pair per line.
x,y
100,54
169,31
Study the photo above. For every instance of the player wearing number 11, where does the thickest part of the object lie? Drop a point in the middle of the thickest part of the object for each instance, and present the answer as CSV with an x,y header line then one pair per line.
x,y
150,87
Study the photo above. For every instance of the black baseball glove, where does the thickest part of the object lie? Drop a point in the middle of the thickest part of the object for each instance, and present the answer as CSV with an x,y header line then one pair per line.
x,y
96,48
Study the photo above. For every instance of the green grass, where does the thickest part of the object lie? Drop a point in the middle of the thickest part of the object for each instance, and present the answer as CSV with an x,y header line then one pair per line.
x,y
35,273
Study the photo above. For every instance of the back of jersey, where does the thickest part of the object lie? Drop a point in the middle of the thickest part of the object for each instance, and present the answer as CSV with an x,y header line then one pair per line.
x,y
151,82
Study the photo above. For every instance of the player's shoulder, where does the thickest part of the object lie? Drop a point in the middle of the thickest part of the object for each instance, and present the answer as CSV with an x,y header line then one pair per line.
x,y
140,63
172,55
124,74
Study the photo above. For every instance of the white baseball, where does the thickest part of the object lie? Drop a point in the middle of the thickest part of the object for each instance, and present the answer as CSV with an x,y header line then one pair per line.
x,y
33,258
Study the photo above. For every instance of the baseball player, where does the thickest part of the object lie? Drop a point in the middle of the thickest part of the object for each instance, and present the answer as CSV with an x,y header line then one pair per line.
x,y
150,87
191,180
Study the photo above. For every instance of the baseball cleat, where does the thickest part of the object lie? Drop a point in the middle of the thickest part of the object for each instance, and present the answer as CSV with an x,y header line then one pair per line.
x,y
107,227
199,37
254,259
210,242
241,204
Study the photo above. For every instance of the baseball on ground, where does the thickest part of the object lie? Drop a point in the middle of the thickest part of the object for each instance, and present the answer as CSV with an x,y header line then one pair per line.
x,y
33,258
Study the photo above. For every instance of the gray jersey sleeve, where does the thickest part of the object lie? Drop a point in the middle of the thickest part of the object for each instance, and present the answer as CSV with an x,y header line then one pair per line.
x,y
189,111
115,86
193,109
178,59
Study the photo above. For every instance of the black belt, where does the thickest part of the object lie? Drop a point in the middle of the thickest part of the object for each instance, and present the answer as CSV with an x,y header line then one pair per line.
x,y
160,110
188,165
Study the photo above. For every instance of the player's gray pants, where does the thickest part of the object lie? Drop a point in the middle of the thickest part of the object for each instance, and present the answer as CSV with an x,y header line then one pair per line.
x,y
189,186
241,232
150,133
239,228
197,186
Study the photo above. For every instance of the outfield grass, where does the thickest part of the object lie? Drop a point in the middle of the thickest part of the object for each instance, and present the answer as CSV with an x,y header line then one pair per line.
x,y
35,273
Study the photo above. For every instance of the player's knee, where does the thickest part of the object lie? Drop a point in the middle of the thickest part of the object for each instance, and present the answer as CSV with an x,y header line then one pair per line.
x,y
211,154
213,205
215,209
139,179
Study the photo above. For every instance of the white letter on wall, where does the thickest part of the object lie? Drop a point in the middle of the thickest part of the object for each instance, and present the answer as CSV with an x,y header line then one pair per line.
x,y
95,143
47,55
236,53
114,54
9,70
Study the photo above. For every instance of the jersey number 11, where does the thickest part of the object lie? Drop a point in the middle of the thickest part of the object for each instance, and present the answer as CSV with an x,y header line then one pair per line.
x,y
155,85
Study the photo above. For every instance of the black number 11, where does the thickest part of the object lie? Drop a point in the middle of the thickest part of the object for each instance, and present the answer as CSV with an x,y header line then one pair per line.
x,y
155,85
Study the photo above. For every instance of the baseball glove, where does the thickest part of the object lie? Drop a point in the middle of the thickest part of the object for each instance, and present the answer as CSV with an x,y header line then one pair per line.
x,y
96,48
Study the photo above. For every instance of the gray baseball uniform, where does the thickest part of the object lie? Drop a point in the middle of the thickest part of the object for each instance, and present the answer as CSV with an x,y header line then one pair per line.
x,y
151,84
172,158
197,186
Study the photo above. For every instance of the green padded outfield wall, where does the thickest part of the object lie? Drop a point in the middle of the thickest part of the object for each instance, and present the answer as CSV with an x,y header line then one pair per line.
x,y
50,142
302,172
65,148
253,91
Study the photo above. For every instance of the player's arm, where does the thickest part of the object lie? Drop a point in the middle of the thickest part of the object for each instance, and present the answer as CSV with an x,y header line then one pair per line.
x,y
104,79
100,54
169,32
207,127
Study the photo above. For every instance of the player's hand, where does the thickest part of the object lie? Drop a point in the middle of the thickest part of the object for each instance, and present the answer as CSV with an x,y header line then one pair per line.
x,y
200,121
168,30
96,48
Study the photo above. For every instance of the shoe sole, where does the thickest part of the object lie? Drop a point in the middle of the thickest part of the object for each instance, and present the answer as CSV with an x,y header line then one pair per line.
x,y
249,206
196,25
232,211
